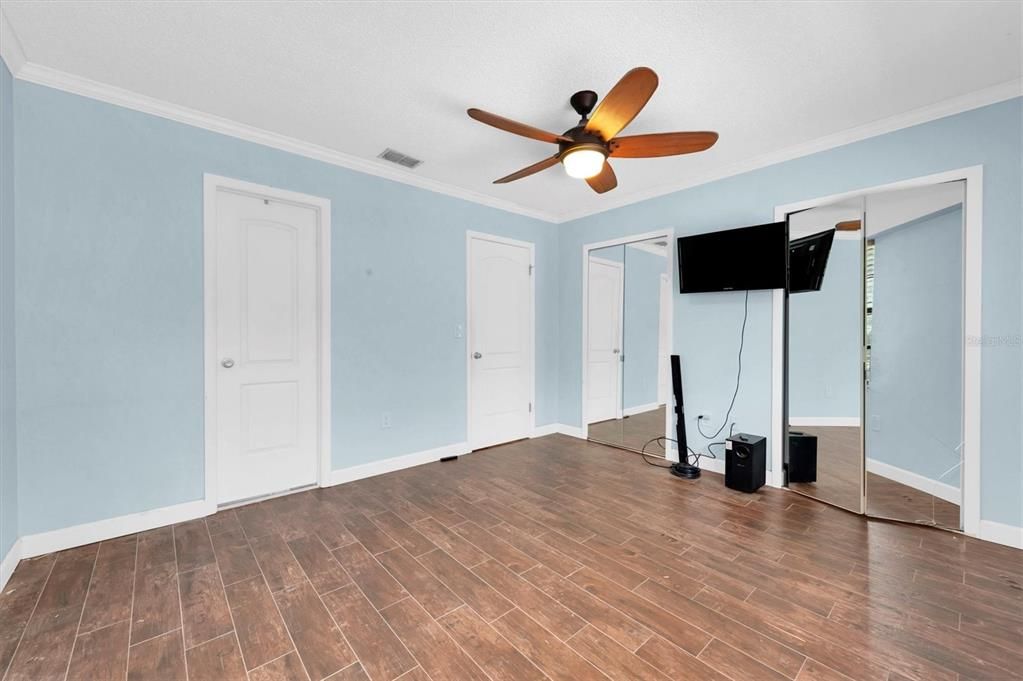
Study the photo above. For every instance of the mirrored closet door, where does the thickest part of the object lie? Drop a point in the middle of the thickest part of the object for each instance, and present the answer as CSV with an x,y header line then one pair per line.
x,y
875,336
825,336
627,370
913,363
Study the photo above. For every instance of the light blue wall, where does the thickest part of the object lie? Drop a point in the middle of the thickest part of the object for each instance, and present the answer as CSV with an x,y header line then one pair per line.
x,y
824,339
109,311
8,431
643,272
914,404
109,321
707,325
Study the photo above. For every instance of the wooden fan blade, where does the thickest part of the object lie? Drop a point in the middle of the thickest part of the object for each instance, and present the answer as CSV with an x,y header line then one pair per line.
x,y
529,170
508,125
604,181
622,103
848,226
662,144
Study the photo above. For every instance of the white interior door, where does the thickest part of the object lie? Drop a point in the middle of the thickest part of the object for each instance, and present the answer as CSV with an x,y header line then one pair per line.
x,y
500,342
605,287
663,347
267,353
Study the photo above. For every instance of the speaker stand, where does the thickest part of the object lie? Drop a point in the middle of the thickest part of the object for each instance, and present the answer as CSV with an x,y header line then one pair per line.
x,y
685,470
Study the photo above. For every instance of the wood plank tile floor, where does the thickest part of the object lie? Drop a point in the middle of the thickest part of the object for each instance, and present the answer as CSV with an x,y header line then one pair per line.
x,y
544,559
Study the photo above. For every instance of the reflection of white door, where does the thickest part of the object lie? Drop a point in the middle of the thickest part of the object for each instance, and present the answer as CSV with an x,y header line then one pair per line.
x,y
663,349
500,341
266,346
606,280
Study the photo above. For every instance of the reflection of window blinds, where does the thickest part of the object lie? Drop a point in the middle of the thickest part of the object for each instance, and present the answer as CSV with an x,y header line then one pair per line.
x,y
868,298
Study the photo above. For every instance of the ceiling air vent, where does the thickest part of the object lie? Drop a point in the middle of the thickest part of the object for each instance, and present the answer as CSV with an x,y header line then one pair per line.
x,y
399,158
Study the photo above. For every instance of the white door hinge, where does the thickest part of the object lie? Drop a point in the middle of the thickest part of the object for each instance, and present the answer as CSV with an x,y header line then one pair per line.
x,y
530,407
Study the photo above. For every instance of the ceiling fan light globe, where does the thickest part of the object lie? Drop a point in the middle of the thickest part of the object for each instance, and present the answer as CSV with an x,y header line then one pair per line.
x,y
583,163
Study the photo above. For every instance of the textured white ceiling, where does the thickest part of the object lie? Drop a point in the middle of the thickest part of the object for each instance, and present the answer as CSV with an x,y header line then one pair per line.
x,y
358,77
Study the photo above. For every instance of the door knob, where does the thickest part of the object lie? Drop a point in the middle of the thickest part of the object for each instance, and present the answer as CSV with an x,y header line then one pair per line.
x,y
616,351
227,363
476,355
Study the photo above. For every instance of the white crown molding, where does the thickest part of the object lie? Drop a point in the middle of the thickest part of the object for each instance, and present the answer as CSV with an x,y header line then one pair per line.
x,y
972,100
11,51
61,80
648,247
10,47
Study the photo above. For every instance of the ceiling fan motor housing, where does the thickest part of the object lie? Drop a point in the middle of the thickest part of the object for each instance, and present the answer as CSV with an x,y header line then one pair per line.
x,y
581,139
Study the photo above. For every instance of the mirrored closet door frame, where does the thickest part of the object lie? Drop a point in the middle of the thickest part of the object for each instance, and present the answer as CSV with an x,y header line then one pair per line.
x,y
669,236
973,178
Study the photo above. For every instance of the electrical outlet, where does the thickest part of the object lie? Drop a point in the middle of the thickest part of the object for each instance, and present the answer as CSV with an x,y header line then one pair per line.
x,y
875,423
459,331
385,420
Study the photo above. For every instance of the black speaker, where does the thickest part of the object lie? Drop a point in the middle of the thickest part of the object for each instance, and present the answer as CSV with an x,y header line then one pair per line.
x,y
745,462
802,457
683,468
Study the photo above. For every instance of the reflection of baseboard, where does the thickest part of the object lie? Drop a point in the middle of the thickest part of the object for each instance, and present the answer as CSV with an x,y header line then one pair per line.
x,y
824,420
10,562
632,411
915,480
1000,533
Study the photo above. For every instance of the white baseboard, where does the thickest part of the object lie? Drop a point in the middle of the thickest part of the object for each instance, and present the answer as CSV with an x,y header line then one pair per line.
x,y
559,428
10,562
713,465
572,431
87,533
824,421
1000,533
639,409
395,463
915,480
549,429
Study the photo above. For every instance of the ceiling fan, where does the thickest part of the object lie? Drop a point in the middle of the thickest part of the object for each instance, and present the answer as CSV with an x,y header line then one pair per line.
x,y
584,149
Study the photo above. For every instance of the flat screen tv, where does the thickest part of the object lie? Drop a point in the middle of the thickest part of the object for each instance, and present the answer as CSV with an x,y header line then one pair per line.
x,y
734,259
808,257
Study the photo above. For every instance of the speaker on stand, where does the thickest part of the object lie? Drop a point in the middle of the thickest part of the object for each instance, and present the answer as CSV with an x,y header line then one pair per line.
x,y
683,468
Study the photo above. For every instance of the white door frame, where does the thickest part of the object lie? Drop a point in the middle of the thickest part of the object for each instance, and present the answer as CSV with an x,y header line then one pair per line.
x,y
668,235
973,211
212,184
619,382
469,236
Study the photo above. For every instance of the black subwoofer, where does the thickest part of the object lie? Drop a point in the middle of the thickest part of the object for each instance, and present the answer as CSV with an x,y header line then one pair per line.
x,y
745,462
802,457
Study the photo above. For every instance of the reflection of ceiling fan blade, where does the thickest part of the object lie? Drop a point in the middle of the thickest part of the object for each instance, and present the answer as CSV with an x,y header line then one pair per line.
x,y
662,144
528,170
515,127
848,226
622,103
604,181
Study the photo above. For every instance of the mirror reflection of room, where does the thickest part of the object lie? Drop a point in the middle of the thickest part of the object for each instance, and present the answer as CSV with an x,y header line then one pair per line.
x,y
825,340
913,370
627,348
882,336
